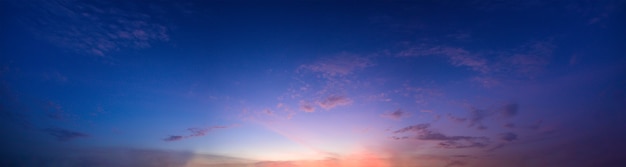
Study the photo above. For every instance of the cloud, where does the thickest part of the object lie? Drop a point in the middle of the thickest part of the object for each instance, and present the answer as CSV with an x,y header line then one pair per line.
x,y
476,117
509,110
63,134
422,132
527,60
173,138
342,65
508,137
509,125
456,119
456,56
55,111
456,163
195,132
306,107
94,27
397,114
333,100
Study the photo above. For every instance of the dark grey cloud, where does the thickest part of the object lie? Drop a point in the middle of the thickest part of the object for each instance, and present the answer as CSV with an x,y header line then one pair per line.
x,y
423,132
64,134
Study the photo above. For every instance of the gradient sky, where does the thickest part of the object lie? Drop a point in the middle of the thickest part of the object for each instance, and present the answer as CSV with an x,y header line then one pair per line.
x,y
207,83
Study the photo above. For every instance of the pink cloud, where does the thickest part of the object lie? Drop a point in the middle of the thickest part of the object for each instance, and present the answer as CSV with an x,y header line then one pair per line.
x,y
333,101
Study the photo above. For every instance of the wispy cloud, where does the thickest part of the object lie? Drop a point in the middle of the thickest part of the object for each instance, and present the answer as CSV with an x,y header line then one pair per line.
x,y
173,138
341,65
64,134
423,132
396,115
527,60
509,110
333,101
94,27
508,137
55,111
195,132
306,106
476,117
456,55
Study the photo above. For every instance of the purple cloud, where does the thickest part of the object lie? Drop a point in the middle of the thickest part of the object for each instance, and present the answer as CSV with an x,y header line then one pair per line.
x,y
342,65
509,110
333,101
476,117
527,60
456,56
63,134
422,132
173,138
508,137
195,132
396,115
306,107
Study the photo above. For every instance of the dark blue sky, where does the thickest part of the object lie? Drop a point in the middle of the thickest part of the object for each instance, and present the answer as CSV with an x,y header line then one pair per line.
x,y
394,83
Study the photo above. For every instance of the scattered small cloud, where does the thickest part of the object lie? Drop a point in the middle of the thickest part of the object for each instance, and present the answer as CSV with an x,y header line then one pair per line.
x,y
55,111
476,117
195,132
487,82
423,132
63,134
456,119
55,76
457,56
93,27
508,137
173,138
306,106
509,110
333,101
509,125
456,163
396,115
342,65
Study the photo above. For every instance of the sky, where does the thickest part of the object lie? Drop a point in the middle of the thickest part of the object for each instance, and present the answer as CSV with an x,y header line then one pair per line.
x,y
481,83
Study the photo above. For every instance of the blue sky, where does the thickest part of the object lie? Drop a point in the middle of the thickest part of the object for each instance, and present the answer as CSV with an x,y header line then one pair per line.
x,y
422,83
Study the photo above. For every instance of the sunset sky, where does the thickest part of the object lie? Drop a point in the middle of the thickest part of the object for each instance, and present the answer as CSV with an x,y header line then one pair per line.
x,y
476,83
